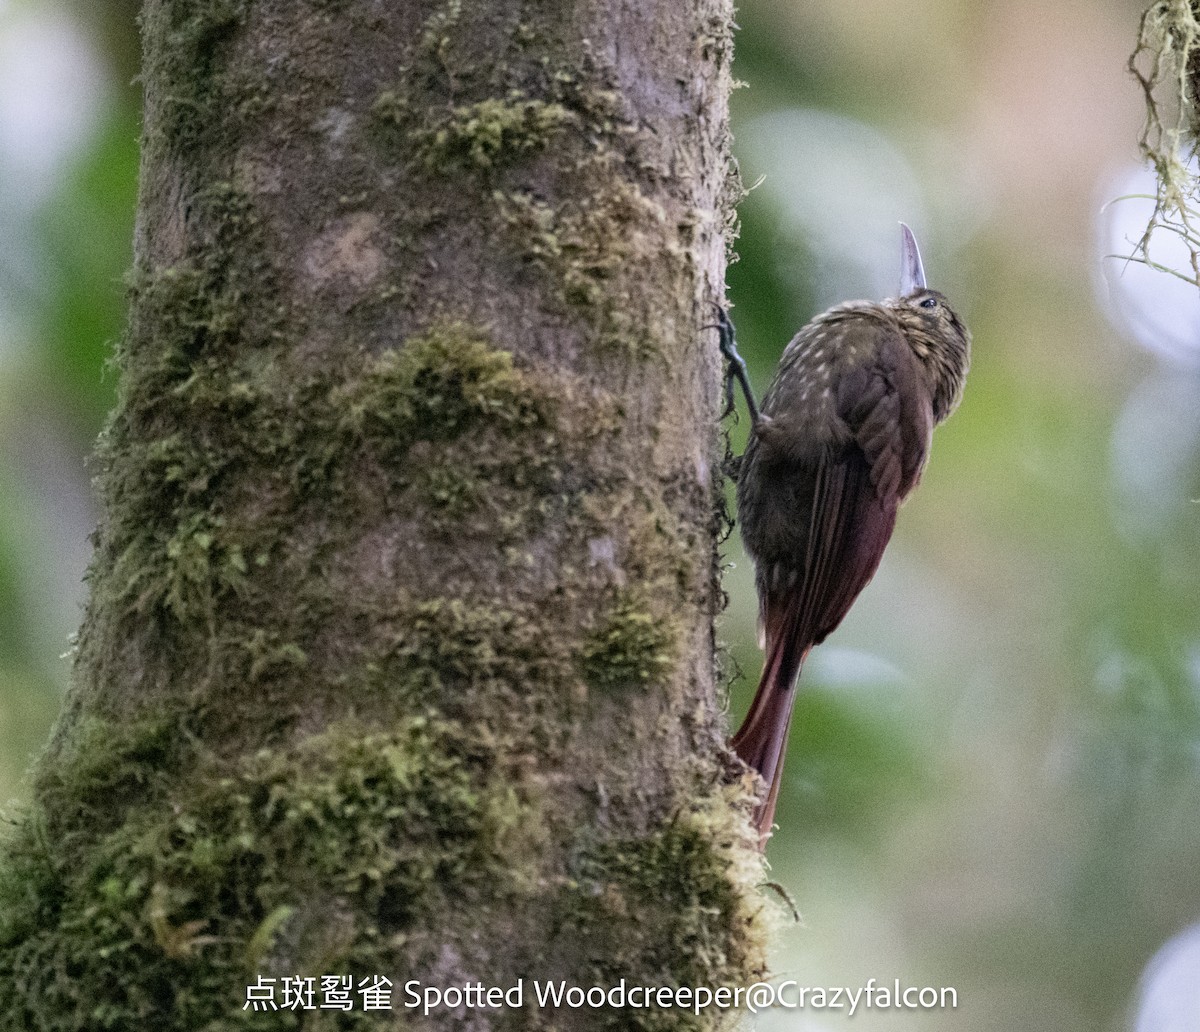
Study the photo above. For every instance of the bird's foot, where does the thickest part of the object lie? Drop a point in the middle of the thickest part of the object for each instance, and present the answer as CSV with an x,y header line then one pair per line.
x,y
737,365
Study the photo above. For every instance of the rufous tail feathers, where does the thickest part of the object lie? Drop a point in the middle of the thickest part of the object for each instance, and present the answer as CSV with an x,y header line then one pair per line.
x,y
761,741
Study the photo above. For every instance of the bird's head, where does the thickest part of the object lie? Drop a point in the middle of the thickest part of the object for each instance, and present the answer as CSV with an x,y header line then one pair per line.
x,y
938,337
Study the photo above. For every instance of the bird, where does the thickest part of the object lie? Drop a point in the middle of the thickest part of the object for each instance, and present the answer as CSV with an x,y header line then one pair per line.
x,y
840,441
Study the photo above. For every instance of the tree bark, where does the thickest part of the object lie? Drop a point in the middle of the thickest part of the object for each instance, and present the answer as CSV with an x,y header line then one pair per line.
x,y
399,659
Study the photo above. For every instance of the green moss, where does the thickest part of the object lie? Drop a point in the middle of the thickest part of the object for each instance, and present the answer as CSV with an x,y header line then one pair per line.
x,y
201,566
186,70
108,766
439,386
589,223
270,654
392,109
466,436
453,491
198,308
450,652
173,549
631,648
445,426
426,418
492,131
438,33
307,860
478,137
188,310
661,906
186,571
586,247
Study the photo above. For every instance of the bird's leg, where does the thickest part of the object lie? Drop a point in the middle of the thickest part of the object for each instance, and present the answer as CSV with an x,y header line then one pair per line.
x,y
737,367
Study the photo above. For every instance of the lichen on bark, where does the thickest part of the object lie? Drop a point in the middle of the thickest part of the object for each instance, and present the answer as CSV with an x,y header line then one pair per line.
x,y
398,658
1166,65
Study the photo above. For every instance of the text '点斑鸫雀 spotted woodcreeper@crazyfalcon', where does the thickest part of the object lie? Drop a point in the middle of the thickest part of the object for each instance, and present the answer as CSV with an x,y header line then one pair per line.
x,y
839,442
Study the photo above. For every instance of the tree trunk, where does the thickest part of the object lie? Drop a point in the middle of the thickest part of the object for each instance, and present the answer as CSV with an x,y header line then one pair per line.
x,y
399,659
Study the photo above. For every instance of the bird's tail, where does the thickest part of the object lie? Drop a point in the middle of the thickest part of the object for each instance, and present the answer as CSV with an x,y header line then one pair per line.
x,y
761,741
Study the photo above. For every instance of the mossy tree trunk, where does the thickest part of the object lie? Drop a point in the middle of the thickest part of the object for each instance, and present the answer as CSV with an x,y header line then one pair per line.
x,y
399,657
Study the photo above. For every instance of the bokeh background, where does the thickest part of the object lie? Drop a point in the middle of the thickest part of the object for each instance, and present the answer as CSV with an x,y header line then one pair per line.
x,y
994,780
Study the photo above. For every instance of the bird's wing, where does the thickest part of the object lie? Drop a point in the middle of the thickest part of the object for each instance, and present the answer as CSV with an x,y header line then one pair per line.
x,y
858,487
850,526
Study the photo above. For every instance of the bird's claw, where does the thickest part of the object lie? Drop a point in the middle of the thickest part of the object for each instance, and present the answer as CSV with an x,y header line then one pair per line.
x,y
737,365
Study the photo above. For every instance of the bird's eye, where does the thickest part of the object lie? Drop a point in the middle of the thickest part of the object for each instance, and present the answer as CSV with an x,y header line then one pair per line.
x,y
929,302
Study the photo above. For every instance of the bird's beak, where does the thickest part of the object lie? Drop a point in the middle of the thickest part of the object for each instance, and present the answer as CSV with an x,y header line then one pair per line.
x,y
912,272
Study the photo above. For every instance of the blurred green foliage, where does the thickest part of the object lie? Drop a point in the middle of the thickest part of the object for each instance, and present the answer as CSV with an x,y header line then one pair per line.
x,y
70,252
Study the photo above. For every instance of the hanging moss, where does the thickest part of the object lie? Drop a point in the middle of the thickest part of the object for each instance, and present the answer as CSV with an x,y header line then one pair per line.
x,y
1166,64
